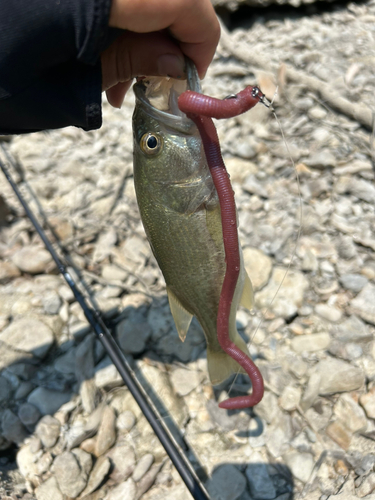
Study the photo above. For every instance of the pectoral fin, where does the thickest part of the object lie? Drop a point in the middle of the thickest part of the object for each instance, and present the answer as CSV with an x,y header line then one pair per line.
x,y
181,316
247,298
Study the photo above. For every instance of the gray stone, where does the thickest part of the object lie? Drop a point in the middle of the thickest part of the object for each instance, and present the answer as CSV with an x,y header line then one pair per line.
x,y
142,467
350,413
159,322
32,259
226,483
252,186
268,409
23,390
367,486
79,330
5,389
243,148
114,273
284,304
106,241
77,434
310,261
290,398
239,169
125,421
317,113
258,265
260,481
44,463
328,312
352,330
106,375
47,401
66,363
367,363
366,465
84,361
29,335
124,491
353,351
312,391
338,376
363,305
353,282
70,478
24,371
301,465
339,433
133,335
90,395
368,403
346,247
122,457
49,490
311,343
148,480
157,382
13,430
321,160
98,473
84,460
107,432
51,302
279,435
28,414
185,381
363,190
48,430
27,457
8,271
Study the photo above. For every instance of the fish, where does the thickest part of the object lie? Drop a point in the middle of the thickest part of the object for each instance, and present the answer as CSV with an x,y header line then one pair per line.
x,y
180,212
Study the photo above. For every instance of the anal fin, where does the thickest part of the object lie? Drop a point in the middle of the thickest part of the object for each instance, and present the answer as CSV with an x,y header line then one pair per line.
x,y
181,316
221,366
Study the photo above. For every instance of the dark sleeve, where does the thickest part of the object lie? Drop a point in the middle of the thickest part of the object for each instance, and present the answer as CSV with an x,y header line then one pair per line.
x,y
50,72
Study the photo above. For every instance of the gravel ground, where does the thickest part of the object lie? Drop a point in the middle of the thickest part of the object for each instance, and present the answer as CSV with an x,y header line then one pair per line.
x,y
69,428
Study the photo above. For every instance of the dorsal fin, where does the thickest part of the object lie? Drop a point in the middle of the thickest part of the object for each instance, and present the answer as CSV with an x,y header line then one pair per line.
x,y
181,316
247,298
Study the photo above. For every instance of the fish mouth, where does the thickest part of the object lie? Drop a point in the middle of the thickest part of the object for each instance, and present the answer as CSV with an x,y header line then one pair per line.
x,y
158,97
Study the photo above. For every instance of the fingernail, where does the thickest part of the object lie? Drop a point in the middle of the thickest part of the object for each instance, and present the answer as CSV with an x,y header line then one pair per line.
x,y
171,65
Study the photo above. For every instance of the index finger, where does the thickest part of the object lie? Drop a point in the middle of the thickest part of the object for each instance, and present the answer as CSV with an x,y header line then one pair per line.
x,y
192,23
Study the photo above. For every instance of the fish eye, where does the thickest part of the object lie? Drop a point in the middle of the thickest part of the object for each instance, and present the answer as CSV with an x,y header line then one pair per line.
x,y
151,143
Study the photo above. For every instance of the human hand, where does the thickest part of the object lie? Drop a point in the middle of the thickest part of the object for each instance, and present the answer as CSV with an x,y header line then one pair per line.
x,y
159,34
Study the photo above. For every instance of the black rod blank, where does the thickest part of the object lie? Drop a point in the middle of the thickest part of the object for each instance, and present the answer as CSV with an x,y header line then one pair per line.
x,y
181,463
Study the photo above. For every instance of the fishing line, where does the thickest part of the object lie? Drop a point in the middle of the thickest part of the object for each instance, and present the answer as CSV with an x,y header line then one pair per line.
x,y
299,231
183,466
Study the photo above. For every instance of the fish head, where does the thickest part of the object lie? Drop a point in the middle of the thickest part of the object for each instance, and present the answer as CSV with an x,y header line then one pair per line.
x,y
170,167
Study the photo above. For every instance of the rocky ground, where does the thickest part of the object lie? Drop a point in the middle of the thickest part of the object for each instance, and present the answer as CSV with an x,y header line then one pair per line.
x,y
65,415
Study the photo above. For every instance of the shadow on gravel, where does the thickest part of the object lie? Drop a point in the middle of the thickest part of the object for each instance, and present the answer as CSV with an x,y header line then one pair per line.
x,y
69,369
247,15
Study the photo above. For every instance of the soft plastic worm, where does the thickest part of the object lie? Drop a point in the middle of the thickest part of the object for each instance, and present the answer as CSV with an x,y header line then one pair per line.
x,y
200,108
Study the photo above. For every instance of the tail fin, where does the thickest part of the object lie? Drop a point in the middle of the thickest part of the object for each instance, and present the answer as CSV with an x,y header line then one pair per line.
x,y
221,365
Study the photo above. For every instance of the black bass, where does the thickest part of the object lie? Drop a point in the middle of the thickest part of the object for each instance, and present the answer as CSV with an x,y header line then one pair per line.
x,y
180,212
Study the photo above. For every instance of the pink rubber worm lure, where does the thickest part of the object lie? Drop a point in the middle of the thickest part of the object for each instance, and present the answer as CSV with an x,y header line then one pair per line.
x,y
200,108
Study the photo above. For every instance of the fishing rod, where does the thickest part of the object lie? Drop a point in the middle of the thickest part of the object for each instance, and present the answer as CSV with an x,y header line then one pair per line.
x,y
181,463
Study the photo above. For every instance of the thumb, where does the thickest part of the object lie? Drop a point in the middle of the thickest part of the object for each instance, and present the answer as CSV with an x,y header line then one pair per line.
x,y
139,54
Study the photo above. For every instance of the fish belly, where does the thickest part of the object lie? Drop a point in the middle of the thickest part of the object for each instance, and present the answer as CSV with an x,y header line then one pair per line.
x,y
190,253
